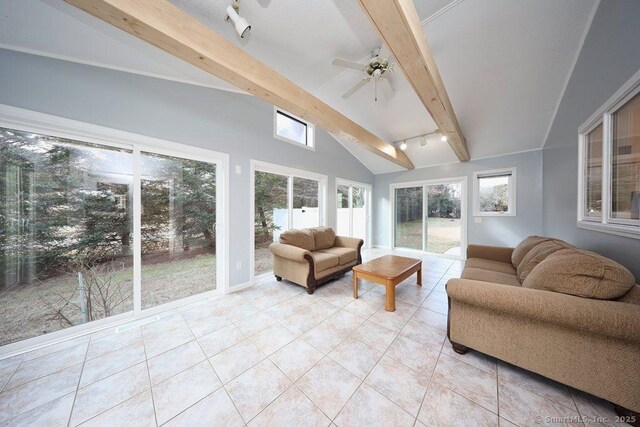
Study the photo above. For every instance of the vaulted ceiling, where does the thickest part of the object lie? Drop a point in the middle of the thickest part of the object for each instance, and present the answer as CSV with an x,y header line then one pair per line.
x,y
504,63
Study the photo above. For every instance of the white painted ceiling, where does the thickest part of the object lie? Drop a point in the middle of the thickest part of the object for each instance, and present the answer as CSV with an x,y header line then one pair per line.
x,y
504,62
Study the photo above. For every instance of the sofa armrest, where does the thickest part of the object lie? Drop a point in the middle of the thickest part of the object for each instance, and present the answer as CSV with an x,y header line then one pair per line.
x,y
491,253
348,242
609,318
290,252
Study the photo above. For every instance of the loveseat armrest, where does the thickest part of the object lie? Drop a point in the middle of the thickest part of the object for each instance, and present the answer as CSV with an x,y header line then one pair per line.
x,y
348,242
608,318
290,252
491,253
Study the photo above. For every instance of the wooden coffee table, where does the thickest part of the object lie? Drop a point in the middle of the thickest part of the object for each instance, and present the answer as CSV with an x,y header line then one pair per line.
x,y
388,271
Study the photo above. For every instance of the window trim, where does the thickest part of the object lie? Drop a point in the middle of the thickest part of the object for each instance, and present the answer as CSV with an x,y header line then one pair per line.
x,y
310,133
605,224
513,189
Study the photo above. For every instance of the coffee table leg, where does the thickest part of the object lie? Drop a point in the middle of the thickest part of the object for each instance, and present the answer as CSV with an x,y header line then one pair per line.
x,y
420,277
390,304
355,285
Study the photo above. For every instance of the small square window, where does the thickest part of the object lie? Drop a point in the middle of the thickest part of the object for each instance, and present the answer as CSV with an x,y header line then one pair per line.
x,y
494,193
290,128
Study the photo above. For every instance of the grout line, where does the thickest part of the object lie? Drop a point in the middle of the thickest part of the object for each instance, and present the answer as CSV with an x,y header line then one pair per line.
x,y
79,379
146,361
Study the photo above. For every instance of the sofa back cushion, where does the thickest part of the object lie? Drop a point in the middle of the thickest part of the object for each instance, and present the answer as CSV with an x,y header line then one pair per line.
x,y
632,296
539,253
304,239
325,237
523,248
581,273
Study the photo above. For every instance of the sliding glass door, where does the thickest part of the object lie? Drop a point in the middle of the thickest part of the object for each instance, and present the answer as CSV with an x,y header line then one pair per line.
x,y
429,216
352,210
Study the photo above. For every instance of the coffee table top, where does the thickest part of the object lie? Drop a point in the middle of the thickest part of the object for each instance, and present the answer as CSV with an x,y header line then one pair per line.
x,y
388,266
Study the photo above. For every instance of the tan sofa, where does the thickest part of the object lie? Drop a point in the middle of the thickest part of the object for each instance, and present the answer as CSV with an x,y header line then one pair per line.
x,y
312,256
548,307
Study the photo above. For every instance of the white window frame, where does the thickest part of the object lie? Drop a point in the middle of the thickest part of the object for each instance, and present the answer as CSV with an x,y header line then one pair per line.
x,y
606,223
290,173
40,123
463,214
513,200
368,188
310,136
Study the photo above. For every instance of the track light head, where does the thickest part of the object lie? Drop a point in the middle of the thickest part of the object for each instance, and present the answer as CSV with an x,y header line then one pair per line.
x,y
444,138
241,25
403,145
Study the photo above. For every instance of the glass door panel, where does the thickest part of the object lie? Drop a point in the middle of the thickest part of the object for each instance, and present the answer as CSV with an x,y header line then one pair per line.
x,y
409,228
359,213
443,220
271,216
306,211
65,233
178,228
343,217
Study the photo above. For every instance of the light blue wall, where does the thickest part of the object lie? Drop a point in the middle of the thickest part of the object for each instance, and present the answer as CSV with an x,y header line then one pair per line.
x,y
501,231
609,57
239,125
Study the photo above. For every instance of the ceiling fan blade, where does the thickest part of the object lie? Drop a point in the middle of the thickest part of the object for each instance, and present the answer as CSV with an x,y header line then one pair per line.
x,y
349,64
385,87
354,89
384,52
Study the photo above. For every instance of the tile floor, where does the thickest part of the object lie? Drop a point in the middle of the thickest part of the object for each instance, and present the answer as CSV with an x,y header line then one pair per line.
x,y
272,355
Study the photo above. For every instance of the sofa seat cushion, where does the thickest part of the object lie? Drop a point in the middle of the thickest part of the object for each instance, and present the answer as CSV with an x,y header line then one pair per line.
x,y
345,255
523,248
538,254
581,273
324,237
300,238
472,273
485,264
324,260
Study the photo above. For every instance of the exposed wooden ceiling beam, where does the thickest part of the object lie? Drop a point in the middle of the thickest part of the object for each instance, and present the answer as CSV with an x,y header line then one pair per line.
x,y
398,23
173,30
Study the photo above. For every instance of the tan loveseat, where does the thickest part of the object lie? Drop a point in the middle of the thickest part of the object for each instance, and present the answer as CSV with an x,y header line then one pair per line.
x,y
548,307
312,256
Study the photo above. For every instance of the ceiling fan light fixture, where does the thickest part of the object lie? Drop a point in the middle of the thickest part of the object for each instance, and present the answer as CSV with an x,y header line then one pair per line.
x,y
240,24
403,145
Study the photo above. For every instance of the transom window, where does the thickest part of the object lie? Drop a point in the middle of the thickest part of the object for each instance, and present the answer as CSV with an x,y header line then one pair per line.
x,y
609,179
290,128
494,192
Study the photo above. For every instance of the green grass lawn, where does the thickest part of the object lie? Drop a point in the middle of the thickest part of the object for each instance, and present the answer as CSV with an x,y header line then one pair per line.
x,y
442,234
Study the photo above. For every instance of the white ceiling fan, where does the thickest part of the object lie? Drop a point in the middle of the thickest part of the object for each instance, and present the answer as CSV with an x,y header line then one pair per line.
x,y
377,69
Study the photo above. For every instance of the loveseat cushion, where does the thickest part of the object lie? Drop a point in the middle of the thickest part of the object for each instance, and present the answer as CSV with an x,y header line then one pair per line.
x,y
581,273
539,253
523,248
485,264
472,273
304,239
345,255
324,260
324,237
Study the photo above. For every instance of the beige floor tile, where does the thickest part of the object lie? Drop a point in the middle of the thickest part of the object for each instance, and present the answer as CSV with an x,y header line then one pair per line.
x,y
329,386
96,398
5,375
67,344
304,320
209,309
26,397
468,381
473,358
593,407
398,383
114,341
367,407
206,325
53,414
183,390
393,320
217,409
241,311
355,356
360,308
292,408
158,342
135,412
33,369
257,388
254,324
110,363
288,307
166,322
505,423
166,365
525,408
11,362
296,358
436,305
431,318
413,354
345,322
443,407
220,340
537,384
324,337
273,339
235,360
425,334
375,336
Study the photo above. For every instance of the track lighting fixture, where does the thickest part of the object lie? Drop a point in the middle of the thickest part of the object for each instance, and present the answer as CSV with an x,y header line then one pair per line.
x,y
423,139
403,145
241,25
